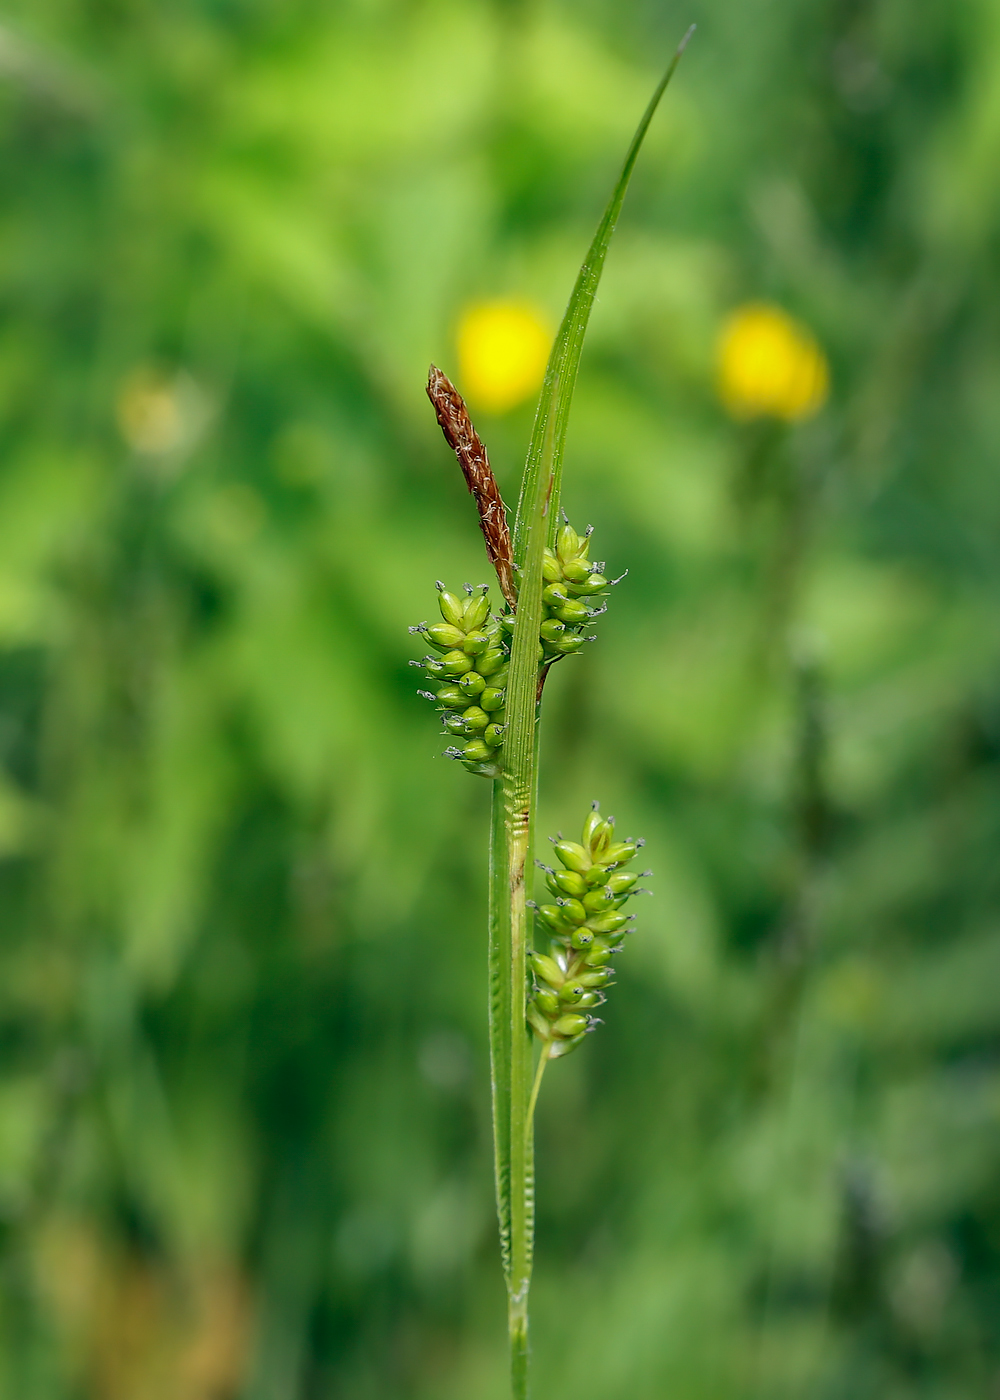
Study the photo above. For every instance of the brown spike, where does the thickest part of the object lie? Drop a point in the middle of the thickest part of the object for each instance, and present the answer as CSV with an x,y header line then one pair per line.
x,y
470,450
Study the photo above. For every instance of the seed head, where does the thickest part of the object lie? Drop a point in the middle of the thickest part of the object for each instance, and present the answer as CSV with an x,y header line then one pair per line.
x,y
587,926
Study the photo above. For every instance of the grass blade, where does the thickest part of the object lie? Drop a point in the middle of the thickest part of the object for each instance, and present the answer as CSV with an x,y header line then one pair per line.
x,y
548,438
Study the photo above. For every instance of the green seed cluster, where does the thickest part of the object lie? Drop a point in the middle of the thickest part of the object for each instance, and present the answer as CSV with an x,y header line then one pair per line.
x,y
469,672
587,927
569,577
469,675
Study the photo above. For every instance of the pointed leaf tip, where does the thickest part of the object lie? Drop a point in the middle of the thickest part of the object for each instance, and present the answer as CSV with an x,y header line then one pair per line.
x,y
684,42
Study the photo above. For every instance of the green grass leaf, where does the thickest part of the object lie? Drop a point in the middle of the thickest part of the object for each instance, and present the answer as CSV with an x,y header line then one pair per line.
x,y
548,438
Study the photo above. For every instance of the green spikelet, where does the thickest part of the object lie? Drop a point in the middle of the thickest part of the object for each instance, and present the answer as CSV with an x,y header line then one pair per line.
x,y
470,671
586,926
569,578
470,676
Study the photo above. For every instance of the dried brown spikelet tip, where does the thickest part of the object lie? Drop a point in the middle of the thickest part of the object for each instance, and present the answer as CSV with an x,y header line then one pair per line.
x,y
470,450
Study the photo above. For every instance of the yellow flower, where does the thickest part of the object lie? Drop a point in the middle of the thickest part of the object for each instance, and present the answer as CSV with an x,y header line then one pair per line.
x,y
503,347
770,365
148,412
159,413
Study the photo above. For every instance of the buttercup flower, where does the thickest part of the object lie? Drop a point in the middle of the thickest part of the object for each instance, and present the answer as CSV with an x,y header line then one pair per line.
x,y
770,365
503,347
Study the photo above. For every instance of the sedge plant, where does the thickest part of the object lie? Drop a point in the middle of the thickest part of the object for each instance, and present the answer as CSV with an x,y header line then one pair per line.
x,y
487,673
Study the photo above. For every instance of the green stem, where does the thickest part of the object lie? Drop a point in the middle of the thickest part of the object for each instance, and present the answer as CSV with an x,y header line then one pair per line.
x,y
517,1324
520,786
543,1060
500,1018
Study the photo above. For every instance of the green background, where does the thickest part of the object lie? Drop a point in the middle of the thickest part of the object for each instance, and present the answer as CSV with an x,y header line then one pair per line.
x,y
244,1137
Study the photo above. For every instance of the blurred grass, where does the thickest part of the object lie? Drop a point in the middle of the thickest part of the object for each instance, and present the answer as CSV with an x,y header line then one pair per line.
x,y
243,1122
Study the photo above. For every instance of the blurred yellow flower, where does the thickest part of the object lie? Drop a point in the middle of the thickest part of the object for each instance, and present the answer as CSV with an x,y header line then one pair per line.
x,y
158,413
503,347
148,412
770,365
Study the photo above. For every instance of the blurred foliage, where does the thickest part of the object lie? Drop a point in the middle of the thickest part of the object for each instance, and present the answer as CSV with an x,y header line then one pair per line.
x,y
244,1144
